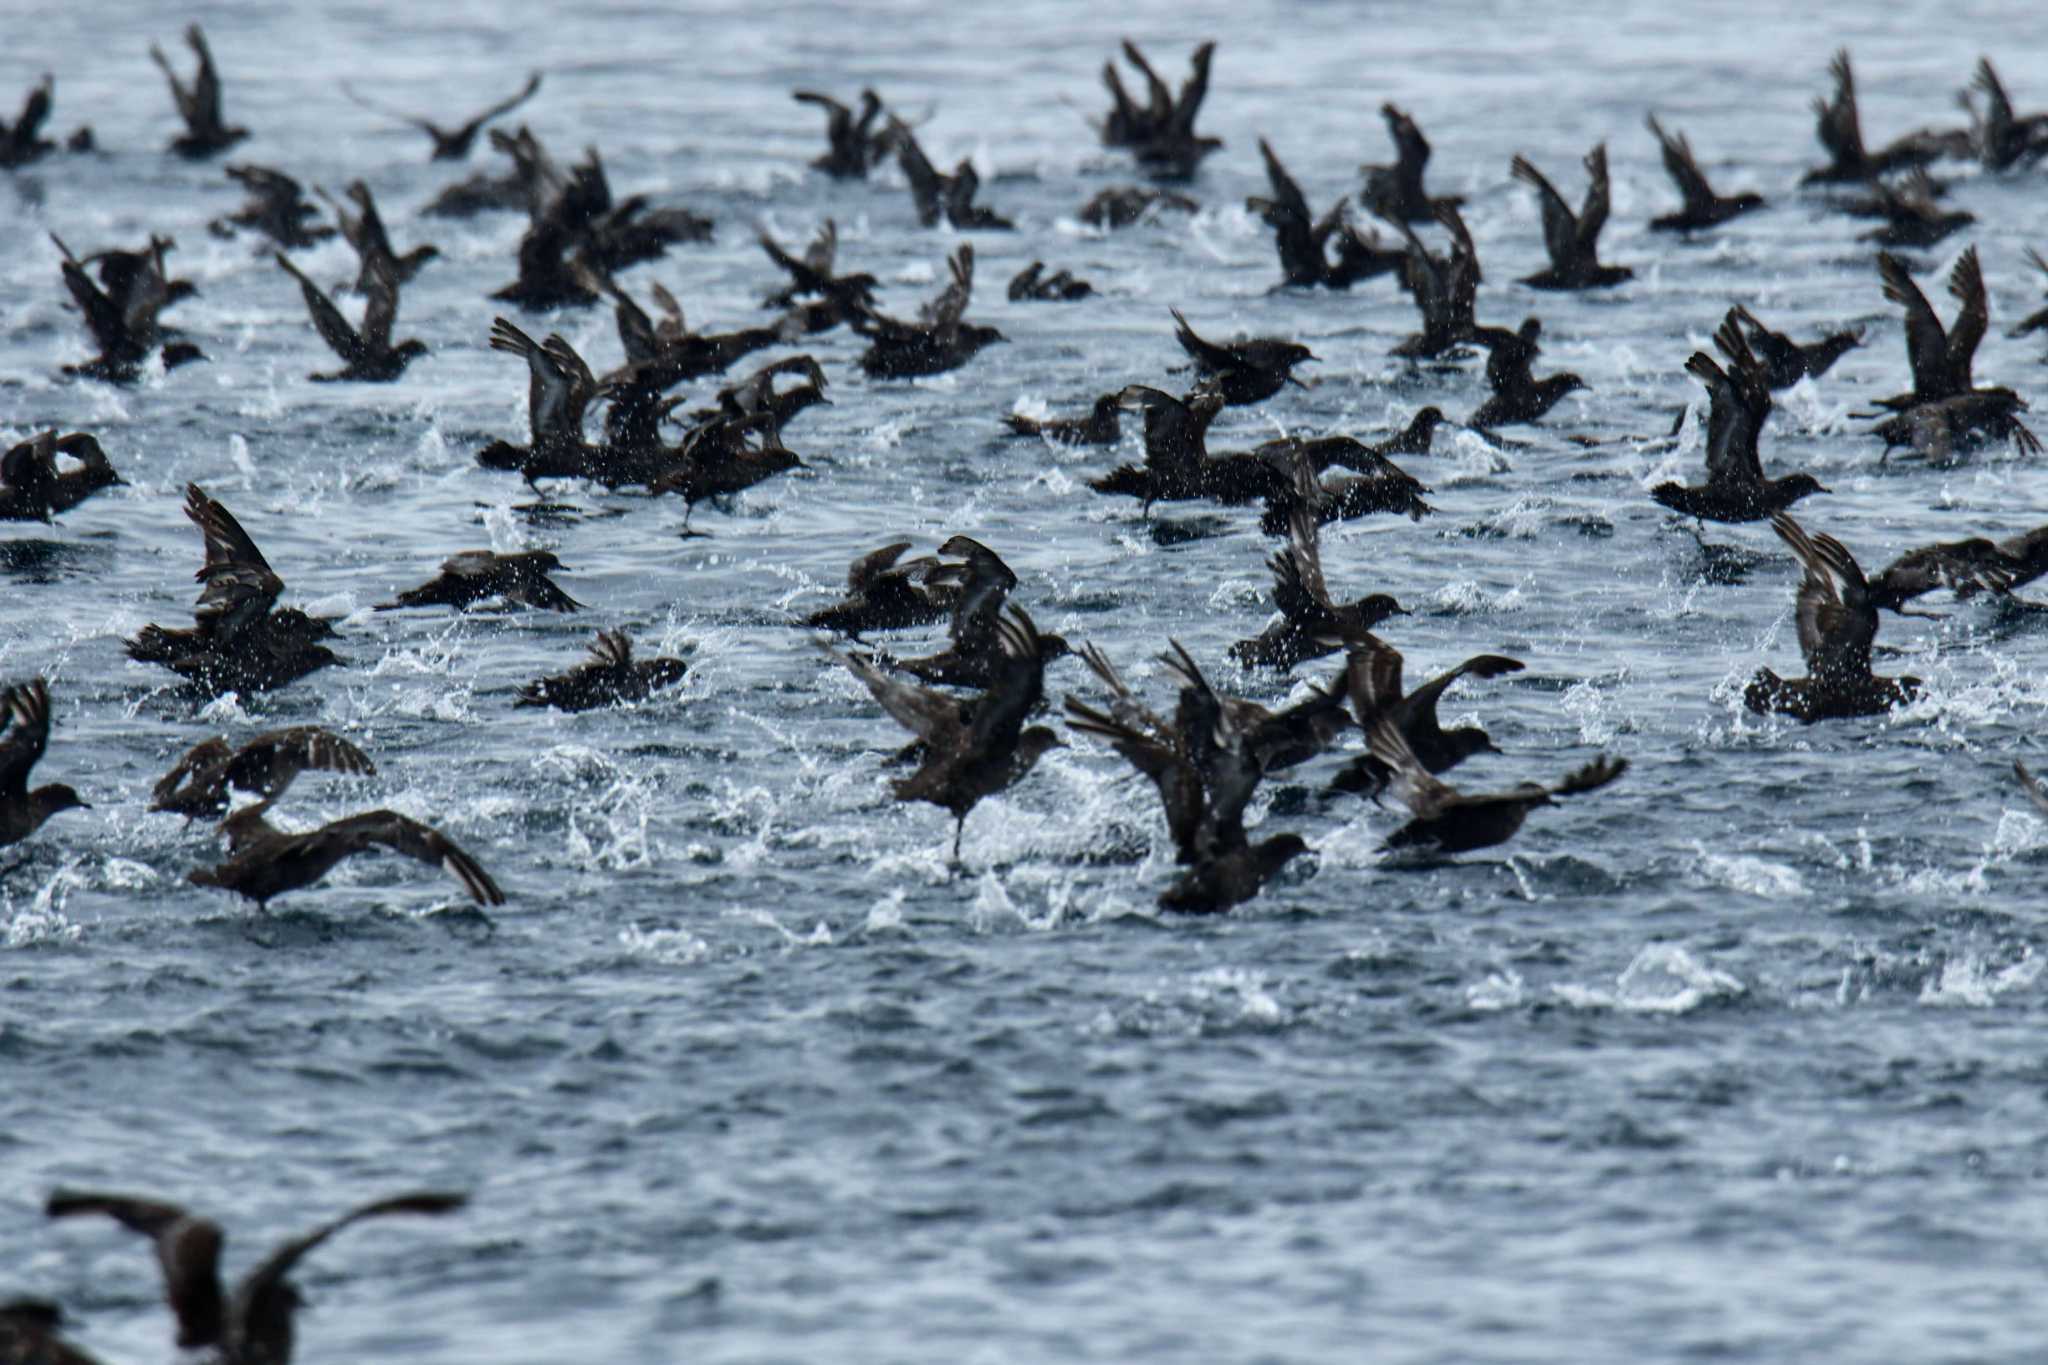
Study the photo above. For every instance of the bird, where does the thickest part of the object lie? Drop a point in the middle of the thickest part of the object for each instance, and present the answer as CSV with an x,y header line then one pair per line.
x,y
1445,289
277,207
1965,567
1447,820
2003,139
122,310
1373,686
1396,192
34,488
1841,133
812,275
1033,284
1837,621
974,747
1739,400
1178,466
853,145
559,389
1161,133
25,714
1120,206
1573,240
371,356
1786,361
1946,411
1912,217
610,677
2034,322
1101,427
1303,240
1703,208
884,591
1249,371
205,134
241,642
22,141
197,785
1517,395
264,862
451,144
940,340
364,231
717,460
1206,764
1381,485
1309,617
942,196
974,658
475,576
254,1325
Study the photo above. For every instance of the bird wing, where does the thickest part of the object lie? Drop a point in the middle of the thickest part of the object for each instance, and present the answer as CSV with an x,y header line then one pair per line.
x,y
927,186
1839,128
1592,777
1593,209
1372,679
201,758
945,311
1193,91
2032,785
103,317
1966,286
1304,543
26,708
380,306
187,1250
1683,170
612,649
206,85
181,96
1836,620
1927,345
240,586
469,130
1180,786
1560,226
261,1320
267,764
932,716
424,843
1018,685
327,319
1423,795
1285,190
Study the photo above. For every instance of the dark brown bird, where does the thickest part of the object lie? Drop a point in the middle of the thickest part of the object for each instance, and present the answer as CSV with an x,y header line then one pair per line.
x,y
757,396
1947,427
198,104
1573,239
1912,217
611,677
1703,208
364,231
451,144
1120,206
975,656
942,196
28,1335
481,575
940,340
34,488
1178,466
1739,400
265,766
1395,192
277,207
254,1327
1310,621
1206,764
122,310
2034,322
1445,289
1381,485
1161,132
240,643
1837,620
1303,240
1786,361
1033,284
559,389
372,357
884,591
25,713
22,141
1841,132
1940,357
2003,139
2032,786
1449,821
718,461
812,275
1517,395
1101,427
854,145
1373,684
1964,567
1249,371
976,747
264,862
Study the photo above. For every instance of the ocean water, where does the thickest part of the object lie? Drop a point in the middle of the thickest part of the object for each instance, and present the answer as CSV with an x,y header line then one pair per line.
x,y
1737,1059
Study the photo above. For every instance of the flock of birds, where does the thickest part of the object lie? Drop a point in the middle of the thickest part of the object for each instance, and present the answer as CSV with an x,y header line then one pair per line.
x,y
972,707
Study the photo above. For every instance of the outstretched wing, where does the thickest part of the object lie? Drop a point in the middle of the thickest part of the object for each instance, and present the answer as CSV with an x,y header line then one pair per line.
x,y
423,843
1683,170
26,708
327,319
187,1250
1560,225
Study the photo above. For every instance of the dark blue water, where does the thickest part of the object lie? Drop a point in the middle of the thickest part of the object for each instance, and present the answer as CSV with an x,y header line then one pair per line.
x,y
1737,1059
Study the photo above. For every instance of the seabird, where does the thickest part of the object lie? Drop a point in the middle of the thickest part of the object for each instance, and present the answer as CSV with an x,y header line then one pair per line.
x,y
1703,208
371,356
199,104
451,144
1837,621
25,714
1739,401
1447,820
265,766
610,677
